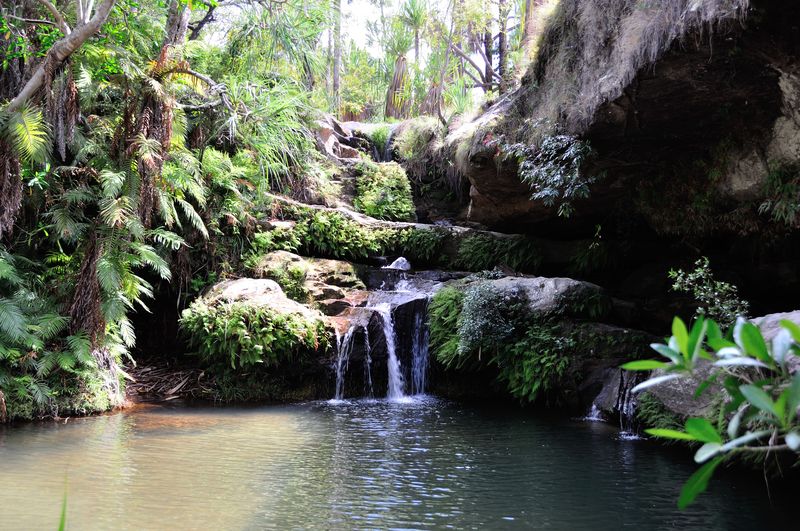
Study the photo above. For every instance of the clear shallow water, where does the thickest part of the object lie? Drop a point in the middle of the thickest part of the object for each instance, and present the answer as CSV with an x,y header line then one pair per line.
x,y
422,464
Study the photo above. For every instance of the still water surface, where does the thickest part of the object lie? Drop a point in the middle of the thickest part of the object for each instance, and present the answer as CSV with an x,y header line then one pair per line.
x,y
425,464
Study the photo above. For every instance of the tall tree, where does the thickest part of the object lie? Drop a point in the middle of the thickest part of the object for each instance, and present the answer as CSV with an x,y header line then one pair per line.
x,y
502,44
337,52
413,14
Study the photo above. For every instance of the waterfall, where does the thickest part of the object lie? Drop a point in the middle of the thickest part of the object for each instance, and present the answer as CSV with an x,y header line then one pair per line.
x,y
367,366
344,346
419,352
626,405
396,383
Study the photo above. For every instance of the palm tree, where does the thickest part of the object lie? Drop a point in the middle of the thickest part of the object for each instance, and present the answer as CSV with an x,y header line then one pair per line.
x,y
414,14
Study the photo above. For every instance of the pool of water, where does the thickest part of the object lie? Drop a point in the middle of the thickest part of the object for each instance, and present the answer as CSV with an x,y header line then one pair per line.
x,y
421,464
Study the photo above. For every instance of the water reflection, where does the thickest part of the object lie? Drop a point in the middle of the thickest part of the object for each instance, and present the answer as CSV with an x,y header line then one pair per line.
x,y
423,464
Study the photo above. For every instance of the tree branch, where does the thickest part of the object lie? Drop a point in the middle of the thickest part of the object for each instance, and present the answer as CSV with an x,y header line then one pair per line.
x,y
62,49
34,21
60,22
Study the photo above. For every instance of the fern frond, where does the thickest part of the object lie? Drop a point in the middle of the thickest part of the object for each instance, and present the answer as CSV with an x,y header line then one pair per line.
x,y
167,239
193,217
150,257
29,135
111,182
12,320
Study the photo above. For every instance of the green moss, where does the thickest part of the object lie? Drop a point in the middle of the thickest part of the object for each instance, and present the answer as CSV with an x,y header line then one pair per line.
x,y
383,191
238,335
478,252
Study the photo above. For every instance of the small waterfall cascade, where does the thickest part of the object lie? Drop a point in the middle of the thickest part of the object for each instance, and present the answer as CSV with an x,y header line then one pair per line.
x,y
367,367
594,415
396,383
419,352
626,405
344,346
396,311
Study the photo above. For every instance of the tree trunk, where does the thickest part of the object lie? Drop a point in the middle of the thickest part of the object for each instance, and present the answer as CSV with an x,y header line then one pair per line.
x,y
502,45
337,53
177,23
416,45
488,69
62,49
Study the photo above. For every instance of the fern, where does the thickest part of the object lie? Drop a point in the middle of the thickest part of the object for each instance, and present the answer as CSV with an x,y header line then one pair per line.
x,y
28,134
12,321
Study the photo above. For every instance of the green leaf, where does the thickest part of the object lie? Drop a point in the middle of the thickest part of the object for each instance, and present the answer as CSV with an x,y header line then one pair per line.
x,y
793,329
644,365
793,399
667,352
670,434
706,452
696,337
681,335
793,440
758,398
698,482
702,430
754,344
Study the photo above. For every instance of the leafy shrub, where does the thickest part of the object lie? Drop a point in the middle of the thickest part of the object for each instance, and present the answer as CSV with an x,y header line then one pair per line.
x,y
536,364
444,311
237,334
717,300
489,318
383,191
759,412
277,239
553,170
42,372
379,137
417,143
783,194
291,277
418,245
479,252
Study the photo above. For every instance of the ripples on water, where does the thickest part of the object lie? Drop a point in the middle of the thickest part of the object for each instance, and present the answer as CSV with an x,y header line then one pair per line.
x,y
419,463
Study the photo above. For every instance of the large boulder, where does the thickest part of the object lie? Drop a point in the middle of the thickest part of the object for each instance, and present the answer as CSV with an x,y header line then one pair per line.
x,y
556,295
257,292
309,279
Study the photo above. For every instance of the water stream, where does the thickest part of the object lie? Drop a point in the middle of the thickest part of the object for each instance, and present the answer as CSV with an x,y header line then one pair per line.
x,y
396,383
363,464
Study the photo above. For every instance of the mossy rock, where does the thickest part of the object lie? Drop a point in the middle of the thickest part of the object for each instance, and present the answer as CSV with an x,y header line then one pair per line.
x,y
308,280
246,323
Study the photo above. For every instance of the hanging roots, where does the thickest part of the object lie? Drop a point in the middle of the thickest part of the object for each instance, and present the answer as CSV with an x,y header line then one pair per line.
x,y
85,312
61,105
10,188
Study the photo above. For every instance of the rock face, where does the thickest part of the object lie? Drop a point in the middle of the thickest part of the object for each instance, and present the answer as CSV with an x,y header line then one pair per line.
x,y
680,86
